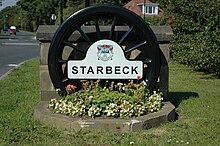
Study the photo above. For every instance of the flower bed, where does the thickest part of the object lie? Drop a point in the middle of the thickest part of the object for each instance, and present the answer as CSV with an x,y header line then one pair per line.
x,y
116,100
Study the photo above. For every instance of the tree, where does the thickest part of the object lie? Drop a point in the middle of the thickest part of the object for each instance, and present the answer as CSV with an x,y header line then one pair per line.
x,y
37,12
10,16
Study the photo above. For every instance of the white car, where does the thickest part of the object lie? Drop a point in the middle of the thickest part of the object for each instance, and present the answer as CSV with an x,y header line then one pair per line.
x,y
12,30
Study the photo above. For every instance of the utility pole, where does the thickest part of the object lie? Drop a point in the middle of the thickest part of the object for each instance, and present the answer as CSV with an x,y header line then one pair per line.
x,y
61,11
144,9
87,3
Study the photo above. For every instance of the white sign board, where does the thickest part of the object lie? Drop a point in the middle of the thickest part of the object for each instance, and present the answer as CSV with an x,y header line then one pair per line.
x,y
104,60
53,17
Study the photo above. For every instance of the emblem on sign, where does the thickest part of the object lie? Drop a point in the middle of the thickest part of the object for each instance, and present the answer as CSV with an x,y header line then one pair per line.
x,y
105,52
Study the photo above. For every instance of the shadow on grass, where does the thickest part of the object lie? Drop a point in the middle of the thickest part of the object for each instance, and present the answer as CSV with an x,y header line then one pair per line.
x,y
177,97
209,76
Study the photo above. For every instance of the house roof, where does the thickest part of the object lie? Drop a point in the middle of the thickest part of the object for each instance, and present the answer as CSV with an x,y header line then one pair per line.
x,y
133,6
141,1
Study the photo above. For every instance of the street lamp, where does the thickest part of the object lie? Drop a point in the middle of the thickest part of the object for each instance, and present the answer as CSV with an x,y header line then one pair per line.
x,y
20,22
6,16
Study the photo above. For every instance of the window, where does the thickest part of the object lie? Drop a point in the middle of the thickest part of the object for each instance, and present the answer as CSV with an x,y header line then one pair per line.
x,y
151,9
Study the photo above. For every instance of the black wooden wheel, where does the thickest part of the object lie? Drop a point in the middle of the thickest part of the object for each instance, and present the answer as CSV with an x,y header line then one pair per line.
x,y
73,38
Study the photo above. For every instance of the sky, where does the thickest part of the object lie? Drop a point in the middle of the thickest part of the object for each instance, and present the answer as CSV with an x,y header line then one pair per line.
x,y
6,3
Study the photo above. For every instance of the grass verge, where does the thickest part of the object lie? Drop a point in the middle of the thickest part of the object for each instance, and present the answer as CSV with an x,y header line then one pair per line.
x,y
196,96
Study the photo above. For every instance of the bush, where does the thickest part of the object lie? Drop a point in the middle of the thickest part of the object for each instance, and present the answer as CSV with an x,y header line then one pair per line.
x,y
155,20
201,51
196,34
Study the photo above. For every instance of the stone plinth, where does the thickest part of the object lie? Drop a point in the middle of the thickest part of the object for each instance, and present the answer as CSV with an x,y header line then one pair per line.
x,y
63,122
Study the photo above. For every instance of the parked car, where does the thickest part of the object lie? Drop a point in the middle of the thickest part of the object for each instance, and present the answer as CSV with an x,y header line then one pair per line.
x,y
5,29
12,30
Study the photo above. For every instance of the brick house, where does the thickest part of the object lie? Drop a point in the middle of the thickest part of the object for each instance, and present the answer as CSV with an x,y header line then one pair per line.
x,y
144,8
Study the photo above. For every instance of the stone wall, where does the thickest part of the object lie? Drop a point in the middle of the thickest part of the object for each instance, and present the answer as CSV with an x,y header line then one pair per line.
x,y
45,34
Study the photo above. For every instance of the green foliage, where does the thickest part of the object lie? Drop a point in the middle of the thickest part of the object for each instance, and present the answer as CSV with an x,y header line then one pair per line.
x,y
36,12
200,51
72,7
155,20
116,2
196,29
10,16
116,100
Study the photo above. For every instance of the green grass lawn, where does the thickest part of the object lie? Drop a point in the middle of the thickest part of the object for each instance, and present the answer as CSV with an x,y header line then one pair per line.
x,y
196,96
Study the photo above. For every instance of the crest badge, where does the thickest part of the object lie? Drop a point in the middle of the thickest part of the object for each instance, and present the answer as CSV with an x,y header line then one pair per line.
x,y
105,52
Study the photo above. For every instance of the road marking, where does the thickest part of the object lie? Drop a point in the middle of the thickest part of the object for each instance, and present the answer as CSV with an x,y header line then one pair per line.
x,y
13,65
12,39
21,44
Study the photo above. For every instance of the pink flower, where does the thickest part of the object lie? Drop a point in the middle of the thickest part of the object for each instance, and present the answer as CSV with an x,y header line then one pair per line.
x,y
139,77
70,88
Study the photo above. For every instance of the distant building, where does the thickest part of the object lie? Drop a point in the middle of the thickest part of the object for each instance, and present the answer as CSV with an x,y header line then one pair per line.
x,y
144,7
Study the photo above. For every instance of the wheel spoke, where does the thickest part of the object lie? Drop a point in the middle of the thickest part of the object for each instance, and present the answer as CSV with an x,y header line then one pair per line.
x,y
147,61
85,37
112,27
97,27
74,46
64,80
135,47
125,35
62,61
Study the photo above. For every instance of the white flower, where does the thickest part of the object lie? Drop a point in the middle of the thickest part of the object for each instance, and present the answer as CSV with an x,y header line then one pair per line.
x,y
111,110
169,140
90,97
119,84
94,111
131,142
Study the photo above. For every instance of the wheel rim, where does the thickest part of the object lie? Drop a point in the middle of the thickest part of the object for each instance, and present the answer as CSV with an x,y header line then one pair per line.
x,y
103,22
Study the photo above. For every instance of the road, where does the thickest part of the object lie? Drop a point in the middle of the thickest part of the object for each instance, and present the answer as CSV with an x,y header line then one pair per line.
x,y
16,49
